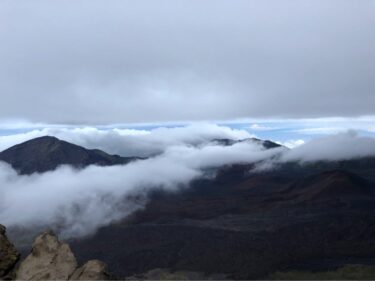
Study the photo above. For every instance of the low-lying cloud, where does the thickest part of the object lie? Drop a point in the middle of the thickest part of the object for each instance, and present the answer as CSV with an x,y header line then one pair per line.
x,y
77,202
342,146
132,142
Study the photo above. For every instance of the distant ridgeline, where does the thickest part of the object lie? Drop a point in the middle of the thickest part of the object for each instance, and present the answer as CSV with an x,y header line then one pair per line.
x,y
47,153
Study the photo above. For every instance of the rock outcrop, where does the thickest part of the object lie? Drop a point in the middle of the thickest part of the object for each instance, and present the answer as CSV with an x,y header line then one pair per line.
x,y
51,259
91,270
8,256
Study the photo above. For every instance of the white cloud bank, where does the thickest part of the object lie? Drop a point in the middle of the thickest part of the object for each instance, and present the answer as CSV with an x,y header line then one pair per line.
x,y
131,142
77,202
342,146
292,143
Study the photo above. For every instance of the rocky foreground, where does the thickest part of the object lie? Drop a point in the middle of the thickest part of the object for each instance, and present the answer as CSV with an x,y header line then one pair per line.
x,y
50,259
9,256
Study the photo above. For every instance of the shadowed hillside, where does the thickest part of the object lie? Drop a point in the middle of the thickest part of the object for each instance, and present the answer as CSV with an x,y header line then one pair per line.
x,y
246,225
47,153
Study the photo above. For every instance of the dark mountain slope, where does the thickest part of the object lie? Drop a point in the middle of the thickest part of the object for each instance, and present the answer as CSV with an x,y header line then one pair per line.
x,y
248,227
47,153
336,184
267,144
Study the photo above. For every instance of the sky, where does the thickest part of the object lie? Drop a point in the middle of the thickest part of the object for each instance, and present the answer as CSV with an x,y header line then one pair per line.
x,y
101,63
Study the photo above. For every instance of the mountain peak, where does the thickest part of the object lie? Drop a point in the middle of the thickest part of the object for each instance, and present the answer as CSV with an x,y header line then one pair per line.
x,y
46,141
47,138
48,152
267,144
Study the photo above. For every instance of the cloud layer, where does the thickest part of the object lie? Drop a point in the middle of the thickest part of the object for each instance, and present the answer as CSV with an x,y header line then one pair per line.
x,y
77,202
342,146
91,61
132,142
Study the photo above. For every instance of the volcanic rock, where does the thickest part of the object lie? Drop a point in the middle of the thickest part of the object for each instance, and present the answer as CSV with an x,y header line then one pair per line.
x,y
8,255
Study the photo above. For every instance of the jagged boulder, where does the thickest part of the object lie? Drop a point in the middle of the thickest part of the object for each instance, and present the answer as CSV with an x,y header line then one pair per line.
x,y
51,259
91,270
8,255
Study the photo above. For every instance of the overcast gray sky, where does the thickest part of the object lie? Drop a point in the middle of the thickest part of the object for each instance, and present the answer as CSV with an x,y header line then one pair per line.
x,y
102,62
